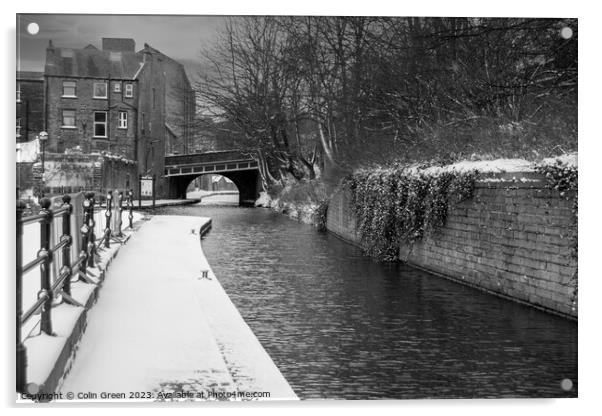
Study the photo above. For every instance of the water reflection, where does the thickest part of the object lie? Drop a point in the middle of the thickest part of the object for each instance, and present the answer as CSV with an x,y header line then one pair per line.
x,y
341,326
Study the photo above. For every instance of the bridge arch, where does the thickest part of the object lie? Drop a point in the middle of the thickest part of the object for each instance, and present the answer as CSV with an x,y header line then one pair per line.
x,y
240,168
247,182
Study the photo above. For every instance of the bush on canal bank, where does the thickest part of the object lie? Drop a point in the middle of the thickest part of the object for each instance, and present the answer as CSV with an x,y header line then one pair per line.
x,y
399,205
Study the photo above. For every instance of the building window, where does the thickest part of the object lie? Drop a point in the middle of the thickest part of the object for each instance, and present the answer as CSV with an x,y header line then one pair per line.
x,y
100,90
69,118
123,120
154,98
18,126
18,92
69,89
100,124
129,90
117,86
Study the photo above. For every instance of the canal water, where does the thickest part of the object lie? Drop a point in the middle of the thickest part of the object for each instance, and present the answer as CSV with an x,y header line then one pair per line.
x,y
341,326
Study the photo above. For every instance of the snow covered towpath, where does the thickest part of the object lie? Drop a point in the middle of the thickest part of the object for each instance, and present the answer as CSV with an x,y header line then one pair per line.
x,y
162,331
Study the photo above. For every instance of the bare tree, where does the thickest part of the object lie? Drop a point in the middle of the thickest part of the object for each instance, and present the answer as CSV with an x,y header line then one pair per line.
x,y
325,94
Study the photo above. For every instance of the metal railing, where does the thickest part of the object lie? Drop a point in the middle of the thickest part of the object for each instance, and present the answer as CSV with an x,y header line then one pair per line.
x,y
66,250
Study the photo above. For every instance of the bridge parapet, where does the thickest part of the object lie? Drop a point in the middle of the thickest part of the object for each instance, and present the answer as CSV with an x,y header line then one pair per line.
x,y
207,157
211,162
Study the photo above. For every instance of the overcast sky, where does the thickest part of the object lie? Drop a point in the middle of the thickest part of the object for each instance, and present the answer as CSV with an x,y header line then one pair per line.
x,y
180,37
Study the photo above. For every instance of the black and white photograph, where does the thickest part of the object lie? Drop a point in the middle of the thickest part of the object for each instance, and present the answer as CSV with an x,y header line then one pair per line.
x,y
274,207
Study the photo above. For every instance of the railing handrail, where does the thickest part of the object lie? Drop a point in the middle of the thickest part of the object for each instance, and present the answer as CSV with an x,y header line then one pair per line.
x,y
67,265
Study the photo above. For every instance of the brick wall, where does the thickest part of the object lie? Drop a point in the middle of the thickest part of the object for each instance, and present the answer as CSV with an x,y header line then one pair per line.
x,y
340,219
118,140
30,108
151,119
512,239
179,102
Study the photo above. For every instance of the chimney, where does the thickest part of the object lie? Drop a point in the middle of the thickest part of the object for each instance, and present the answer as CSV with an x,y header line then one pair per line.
x,y
118,45
51,55
146,53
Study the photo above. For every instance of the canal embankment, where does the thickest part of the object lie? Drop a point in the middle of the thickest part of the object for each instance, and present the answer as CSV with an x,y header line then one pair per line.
x,y
513,238
164,325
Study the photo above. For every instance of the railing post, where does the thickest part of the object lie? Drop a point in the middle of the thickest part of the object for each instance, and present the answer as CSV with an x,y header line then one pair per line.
x,y
131,207
21,351
45,287
118,213
85,232
108,219
67,236
91,236
153,190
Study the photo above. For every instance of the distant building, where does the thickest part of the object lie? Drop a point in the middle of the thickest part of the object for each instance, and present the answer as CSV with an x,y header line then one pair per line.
x,y
221,183
30,105
138,105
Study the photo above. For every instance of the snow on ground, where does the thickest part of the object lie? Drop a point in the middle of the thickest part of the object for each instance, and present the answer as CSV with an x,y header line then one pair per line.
x,y
31,246
494,166
201,193
43,350
484,166
220,199
568,159
154,325
28,151
263,200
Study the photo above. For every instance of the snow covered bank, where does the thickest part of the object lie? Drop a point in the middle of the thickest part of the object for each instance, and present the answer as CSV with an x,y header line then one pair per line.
x,y
568,159
161,327
31,246
304,212
496,166
49,356
498,170
200,193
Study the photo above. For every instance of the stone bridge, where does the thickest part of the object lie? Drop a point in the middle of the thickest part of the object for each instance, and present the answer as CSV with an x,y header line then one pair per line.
x,y
237,166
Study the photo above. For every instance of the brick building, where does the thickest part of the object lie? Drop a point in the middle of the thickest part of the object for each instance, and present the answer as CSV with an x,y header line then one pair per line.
x,y
138,105
30,105
179,104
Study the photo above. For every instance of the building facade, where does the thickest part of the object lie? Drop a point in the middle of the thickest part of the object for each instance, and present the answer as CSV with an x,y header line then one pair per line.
x,y
115,100
30,105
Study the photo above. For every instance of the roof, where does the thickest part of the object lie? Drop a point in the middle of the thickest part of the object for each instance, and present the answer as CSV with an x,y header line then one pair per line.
x,y
178,66
30,76
217,178
92,62
95,63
